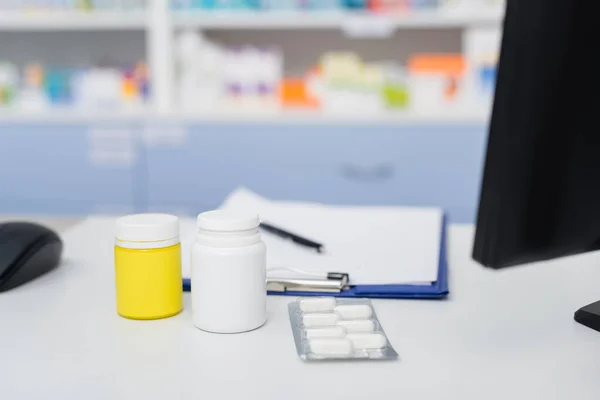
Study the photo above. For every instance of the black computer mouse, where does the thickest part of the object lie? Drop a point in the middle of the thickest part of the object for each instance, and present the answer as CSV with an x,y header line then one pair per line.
x,y
27,251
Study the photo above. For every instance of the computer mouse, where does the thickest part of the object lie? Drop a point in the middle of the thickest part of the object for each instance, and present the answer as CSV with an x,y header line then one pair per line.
x,y
27,251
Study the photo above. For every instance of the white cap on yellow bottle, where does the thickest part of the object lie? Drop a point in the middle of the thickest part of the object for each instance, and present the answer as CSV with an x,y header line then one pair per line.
x,y
147,231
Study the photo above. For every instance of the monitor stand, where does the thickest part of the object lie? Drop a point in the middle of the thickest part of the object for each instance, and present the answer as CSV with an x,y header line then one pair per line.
x,y
589,316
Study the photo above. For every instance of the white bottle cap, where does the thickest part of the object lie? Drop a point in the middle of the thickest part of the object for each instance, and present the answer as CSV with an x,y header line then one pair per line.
x,y
227,221
147,231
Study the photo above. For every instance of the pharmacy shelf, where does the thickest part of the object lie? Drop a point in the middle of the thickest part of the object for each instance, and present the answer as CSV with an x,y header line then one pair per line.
x,y
331,20
68,116
243,118
341,118
72,21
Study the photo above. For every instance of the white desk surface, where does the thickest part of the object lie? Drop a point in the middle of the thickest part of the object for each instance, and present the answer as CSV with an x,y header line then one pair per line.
x,y
501,335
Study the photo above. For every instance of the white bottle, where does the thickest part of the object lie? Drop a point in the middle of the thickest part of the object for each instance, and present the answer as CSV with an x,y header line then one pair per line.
x,y
228,268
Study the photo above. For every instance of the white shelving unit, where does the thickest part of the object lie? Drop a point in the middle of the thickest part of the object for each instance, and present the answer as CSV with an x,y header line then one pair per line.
x,y
71,117
322,118
72,21
160,23
283,117
330,20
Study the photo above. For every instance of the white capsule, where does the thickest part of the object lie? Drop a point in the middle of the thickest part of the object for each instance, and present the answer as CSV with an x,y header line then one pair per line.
x,y
317,304
331,347
320,320
333,332
357,325
354,311
367,341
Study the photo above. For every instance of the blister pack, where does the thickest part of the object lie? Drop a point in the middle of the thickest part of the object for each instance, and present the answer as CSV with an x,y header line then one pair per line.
x,y
326,328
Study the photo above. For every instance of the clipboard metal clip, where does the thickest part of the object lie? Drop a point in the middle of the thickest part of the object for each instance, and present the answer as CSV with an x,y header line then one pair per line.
x,y
335,282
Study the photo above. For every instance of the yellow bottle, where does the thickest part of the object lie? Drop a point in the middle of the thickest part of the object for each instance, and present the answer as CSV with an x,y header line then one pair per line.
x,y
148,266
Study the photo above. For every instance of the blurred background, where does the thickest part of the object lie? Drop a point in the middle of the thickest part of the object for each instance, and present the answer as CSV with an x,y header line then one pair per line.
x,y
122,106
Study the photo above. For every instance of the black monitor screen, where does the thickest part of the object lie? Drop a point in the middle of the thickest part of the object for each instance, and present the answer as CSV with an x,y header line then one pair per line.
x,y
540,196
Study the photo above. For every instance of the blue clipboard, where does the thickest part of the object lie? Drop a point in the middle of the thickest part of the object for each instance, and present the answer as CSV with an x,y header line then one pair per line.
x,y
435,291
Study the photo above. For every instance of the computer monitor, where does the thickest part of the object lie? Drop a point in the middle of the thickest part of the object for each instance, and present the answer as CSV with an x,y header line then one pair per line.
x,y
540,196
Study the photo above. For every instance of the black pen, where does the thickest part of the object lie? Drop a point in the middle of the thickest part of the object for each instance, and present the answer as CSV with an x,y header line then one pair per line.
x,y
294,238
